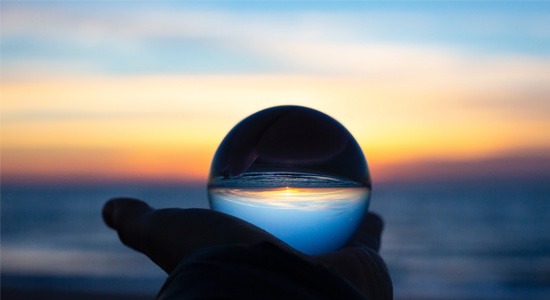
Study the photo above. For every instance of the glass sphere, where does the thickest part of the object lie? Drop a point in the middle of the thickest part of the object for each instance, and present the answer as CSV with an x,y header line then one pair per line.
x,y
296,173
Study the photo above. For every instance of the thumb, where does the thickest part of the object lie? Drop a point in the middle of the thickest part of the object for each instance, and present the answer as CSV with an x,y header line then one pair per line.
x,y
369,233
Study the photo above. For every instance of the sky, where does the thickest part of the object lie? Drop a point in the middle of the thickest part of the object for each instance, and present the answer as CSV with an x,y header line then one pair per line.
x,y
95,90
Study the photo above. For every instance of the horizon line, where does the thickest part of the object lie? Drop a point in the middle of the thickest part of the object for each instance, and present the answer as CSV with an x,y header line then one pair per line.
x,y
509,166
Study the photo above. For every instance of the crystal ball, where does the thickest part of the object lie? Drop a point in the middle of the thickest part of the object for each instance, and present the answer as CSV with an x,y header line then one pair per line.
x,y
296,173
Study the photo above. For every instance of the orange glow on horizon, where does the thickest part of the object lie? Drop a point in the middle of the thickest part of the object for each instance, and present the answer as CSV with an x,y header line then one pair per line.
x,y
150,93
170,126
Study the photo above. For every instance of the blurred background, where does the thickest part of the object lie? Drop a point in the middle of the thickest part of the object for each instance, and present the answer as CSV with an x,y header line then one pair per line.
x,y
450,102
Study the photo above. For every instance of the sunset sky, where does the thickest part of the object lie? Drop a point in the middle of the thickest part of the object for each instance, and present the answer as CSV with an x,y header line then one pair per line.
x,y
136,90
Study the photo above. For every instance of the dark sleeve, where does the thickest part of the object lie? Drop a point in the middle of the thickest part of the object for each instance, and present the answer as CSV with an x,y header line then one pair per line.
x,y
259,271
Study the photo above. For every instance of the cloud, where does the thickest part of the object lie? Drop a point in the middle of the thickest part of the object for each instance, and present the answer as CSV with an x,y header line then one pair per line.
x,y
300,41
406,83
520,164
141,21
371,45
41,116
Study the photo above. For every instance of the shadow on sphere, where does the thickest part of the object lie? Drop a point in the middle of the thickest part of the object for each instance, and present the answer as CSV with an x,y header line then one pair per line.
x,y
291,139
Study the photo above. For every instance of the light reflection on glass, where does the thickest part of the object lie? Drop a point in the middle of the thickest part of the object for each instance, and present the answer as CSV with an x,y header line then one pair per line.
x,y
295,172
312,220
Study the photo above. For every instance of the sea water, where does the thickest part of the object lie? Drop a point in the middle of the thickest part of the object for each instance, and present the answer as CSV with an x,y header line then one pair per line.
x,y
310,212
465,240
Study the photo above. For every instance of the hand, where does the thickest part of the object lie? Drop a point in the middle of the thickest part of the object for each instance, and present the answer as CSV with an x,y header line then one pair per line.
x,y
167,236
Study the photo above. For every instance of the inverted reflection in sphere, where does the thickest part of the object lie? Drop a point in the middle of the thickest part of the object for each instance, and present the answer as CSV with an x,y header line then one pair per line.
x,y
294,172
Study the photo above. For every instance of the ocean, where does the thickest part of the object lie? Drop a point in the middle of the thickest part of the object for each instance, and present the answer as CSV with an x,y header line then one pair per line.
x,y
442,240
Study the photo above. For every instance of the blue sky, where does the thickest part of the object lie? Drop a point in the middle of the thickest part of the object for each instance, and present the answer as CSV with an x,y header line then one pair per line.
x,y
224,36
413,81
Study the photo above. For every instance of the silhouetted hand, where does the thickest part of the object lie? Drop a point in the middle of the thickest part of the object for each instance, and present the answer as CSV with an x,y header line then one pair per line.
x,y
167,236
214,249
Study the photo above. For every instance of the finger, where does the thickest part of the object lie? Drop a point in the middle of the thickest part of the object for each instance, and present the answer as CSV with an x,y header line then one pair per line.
x,y
127,216
172,234
166,236
369,233
359,261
